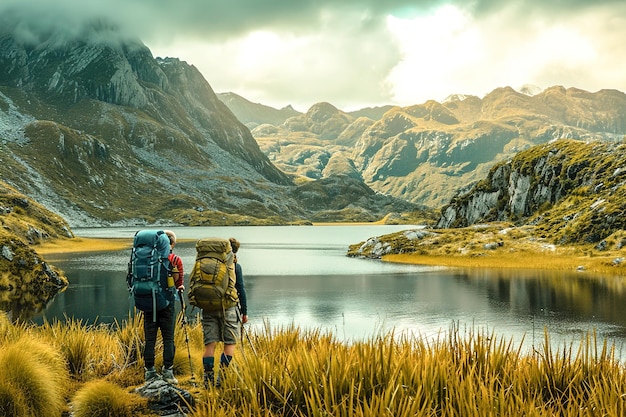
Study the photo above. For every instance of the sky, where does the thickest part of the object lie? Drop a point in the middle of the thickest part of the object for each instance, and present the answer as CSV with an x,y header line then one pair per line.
x,y
355,54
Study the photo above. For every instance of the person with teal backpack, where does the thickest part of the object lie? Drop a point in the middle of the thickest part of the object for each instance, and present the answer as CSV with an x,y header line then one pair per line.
x,y
153,290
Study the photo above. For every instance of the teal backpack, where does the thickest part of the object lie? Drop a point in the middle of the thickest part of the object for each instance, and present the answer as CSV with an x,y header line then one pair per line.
x,y
147,271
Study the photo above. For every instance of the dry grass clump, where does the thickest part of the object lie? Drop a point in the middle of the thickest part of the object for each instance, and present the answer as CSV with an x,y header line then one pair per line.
x,y
103,399
130,337
33,381
90,351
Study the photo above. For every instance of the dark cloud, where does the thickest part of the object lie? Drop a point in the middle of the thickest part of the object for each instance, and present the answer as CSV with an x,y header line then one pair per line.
x,y
219,20
342,51
222,19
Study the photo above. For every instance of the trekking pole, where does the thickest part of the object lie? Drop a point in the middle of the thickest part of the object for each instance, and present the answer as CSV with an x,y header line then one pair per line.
x,y
243,330
243,351
184,312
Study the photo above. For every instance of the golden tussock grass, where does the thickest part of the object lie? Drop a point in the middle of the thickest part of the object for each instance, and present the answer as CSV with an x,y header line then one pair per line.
x,y
103,399
461,373
82,244
89,351
517,260
293,372
33,381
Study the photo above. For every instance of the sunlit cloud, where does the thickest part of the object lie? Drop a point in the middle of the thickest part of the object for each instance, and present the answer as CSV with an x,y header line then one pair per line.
x,y
434,50
358,53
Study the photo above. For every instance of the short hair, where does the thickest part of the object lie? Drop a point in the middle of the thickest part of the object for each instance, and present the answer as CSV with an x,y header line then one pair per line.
x,y
234,244
171,236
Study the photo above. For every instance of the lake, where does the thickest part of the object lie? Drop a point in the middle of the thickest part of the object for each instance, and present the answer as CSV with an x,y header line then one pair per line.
x,y
300,275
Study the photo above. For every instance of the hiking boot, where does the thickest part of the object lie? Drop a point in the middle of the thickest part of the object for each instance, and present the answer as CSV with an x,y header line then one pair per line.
x,y
168,376
209,379
150,374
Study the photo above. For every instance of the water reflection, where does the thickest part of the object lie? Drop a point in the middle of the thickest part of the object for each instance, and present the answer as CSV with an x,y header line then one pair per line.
x,y
27,290
516,304
301,276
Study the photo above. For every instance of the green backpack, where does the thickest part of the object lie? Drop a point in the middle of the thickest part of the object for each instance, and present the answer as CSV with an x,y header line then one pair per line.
x,y
212,279
148,269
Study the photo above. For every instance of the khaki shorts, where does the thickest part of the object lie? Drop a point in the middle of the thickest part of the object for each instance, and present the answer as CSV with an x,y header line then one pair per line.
x,y
220,326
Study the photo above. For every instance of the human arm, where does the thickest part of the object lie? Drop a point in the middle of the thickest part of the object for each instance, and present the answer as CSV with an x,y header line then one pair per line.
x,y
241,291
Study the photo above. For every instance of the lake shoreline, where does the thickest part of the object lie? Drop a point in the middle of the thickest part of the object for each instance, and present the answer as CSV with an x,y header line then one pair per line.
x,y
519,260
537,261
82,244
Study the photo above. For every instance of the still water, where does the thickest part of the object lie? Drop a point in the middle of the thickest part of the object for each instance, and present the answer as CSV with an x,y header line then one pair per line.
x,y
300,275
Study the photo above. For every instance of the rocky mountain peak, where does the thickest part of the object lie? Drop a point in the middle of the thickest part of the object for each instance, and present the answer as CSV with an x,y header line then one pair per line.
x,y
70,69
320,112
94,104
322,119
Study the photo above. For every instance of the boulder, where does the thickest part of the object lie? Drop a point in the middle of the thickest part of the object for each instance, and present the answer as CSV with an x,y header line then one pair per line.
x,y
166,399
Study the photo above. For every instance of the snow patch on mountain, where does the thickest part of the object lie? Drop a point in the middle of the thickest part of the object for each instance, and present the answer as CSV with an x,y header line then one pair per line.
x,y
530,89
455,97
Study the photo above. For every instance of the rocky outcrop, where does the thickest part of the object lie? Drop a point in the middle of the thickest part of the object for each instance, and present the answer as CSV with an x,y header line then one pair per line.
x,y
575,190
27,282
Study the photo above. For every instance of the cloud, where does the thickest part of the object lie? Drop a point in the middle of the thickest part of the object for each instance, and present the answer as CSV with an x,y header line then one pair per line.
x,y
361,53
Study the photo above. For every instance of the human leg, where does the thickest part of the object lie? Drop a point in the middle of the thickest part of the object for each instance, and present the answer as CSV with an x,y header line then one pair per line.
x,y
150,329
211,335
167,323
230,340
166,320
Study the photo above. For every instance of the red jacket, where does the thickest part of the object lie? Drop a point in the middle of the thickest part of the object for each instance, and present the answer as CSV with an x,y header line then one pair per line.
x,y
178,264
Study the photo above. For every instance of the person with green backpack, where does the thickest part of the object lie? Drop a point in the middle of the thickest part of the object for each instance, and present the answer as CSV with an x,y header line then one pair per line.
x,y
154,275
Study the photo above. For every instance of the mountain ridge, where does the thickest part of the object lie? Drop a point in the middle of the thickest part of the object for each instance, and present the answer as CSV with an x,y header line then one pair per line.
x,y
425,153
106,134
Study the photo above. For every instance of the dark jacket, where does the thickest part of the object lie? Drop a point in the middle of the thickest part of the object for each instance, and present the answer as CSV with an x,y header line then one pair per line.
x,y
241,289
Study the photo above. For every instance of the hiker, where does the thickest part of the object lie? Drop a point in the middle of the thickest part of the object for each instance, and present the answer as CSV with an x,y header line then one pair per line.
x,y
221,326
165,320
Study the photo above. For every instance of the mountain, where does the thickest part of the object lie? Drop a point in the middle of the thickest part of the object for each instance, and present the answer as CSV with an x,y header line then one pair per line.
x,y
316,144
374,113
572,191
98,130
427,152
254,114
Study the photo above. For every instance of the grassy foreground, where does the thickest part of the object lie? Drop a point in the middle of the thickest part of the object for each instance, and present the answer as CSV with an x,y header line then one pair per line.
x,y
53,369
